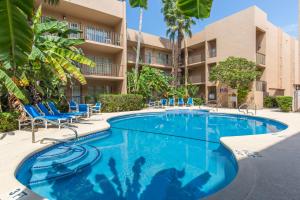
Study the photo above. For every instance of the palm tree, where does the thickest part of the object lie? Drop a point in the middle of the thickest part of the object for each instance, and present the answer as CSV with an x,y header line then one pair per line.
x,y
179,26
141,4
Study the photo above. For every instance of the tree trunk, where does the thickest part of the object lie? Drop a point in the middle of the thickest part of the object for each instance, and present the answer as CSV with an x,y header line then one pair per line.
x,y
186,71
138,47
173,62
179,40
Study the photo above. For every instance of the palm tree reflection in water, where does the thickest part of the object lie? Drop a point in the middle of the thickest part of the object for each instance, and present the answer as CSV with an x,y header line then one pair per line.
x,y
165,185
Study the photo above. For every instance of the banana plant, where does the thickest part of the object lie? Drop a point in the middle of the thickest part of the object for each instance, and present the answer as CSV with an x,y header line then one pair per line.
x,y
52,48
15,41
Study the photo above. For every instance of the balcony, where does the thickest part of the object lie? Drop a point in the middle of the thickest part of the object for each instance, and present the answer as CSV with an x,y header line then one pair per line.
x,y
96,34
261,86
150,60
260,59
196,59
197,79
103,69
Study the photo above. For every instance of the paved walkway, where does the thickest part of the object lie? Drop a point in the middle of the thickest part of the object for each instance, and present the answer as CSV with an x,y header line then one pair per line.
x,y
269,165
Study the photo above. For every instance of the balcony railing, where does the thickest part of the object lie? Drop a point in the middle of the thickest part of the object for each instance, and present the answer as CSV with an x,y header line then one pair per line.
x,y
197,79
103,69
261,86
154,60
96,34
260,59
196,59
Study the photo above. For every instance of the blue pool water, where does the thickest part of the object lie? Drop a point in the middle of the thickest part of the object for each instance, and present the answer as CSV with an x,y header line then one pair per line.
x,y
154,156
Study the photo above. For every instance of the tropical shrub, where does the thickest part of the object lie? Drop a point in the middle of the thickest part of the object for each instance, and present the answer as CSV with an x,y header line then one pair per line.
x,y
8,121
242,94
150,82
270,102
121,102
198,101
237,73
285,103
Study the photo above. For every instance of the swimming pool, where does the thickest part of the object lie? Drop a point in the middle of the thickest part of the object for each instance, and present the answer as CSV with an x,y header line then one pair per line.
x,y
169,155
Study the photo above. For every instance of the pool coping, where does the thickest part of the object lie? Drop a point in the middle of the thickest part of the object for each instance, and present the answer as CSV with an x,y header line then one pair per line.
x,y
240,188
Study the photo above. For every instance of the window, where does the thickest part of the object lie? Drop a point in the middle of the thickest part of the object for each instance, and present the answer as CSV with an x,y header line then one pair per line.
x,y
75,26
212,48
148,56
163,58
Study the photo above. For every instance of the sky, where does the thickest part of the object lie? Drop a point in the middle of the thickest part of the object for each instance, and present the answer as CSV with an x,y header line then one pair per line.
x,y
282,13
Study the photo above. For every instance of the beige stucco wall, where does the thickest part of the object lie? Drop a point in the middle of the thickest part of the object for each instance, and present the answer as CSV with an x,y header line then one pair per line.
x,y
240,35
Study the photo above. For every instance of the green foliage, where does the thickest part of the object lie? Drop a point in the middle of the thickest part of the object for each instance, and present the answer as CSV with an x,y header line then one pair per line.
x,y
242,94
150,82
238,73
15,33
53,49
285,103
121,102
139,3
199,9
234,72
198,101
270,102
179,92
8,121
193,90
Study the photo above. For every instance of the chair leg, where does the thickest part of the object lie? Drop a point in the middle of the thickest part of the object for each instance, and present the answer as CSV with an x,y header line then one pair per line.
x,y
59,124
46,124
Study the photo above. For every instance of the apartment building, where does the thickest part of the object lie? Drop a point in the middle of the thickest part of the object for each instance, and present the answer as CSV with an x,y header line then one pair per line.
x,y
246,34
103,26
155,51
250,35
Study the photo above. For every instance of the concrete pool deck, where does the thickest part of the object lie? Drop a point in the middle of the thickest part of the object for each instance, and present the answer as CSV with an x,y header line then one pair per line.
x,y
269,165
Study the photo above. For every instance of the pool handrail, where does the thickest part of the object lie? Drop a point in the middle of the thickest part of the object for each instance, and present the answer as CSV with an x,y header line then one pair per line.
x,y
52,122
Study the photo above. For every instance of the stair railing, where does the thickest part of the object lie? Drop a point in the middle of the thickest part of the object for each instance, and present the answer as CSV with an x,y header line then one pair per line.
x,y
54,123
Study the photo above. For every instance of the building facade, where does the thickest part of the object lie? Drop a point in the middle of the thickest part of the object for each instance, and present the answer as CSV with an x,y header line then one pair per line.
x,y
246,34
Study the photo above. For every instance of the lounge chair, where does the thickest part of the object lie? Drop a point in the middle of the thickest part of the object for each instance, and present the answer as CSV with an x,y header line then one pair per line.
x,y
82,108
180,102
190,102
73,106
163,102
96,108
171,102
55,111
34,113
46,112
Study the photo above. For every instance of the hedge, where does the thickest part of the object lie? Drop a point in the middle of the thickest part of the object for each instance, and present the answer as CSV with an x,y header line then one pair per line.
x,y
198,101
121,102
285,103
8,121
270,102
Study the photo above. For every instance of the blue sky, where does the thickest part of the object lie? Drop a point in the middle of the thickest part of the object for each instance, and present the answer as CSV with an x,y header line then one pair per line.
x,y
283,13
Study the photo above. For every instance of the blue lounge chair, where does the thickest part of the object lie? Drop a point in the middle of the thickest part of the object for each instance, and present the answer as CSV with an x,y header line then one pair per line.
x,y
84,108
163,102
46,112
171,102
190,102
73,106
33,113
55,111
96,108
180,102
